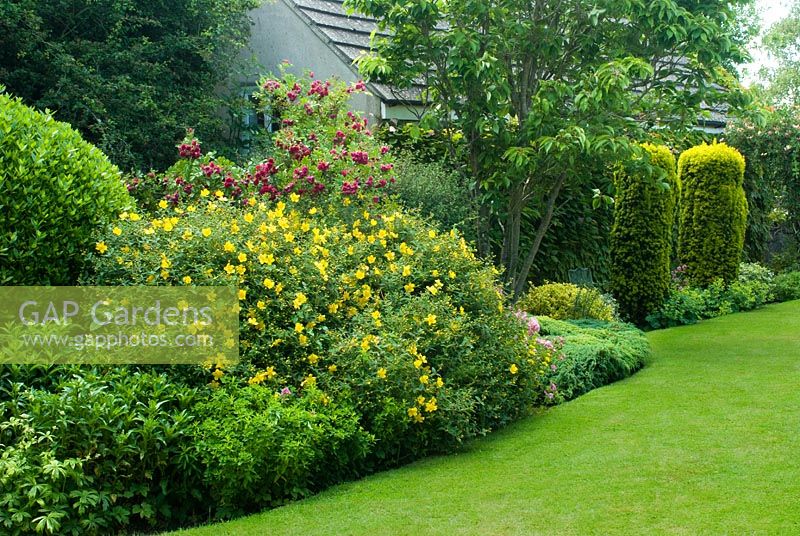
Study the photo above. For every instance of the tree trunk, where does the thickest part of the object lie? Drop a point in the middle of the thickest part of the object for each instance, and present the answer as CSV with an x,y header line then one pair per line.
x,y
521,278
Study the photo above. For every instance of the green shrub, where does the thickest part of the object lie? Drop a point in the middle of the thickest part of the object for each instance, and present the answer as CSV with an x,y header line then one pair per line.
x,y
786,286
595,353
437,191
753,288
565,301
55,191
713,212
258,449
641,237
93,451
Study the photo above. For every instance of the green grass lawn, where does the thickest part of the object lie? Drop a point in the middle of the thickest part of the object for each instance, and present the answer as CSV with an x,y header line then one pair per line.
x,y
704,440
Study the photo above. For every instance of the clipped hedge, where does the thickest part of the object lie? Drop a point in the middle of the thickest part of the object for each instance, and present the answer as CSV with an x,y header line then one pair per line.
x,y
641,236
596,353
713,213
55,191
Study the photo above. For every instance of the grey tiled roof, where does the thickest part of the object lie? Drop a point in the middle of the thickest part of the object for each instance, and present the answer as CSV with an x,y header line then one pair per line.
x,y
349,37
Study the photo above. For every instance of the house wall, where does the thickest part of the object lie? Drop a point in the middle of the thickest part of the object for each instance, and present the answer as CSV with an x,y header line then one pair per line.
x,y
280,33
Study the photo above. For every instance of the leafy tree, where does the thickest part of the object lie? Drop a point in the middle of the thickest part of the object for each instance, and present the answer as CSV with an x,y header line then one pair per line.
x,y
542,90
130,75
782,42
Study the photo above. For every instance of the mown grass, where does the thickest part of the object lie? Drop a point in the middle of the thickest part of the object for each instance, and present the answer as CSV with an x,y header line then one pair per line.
x,y
704,440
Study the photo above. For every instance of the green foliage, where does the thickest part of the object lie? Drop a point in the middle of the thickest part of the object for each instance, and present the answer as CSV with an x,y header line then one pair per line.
x,y
764,162
539,88
783,73
786,286
641,237
94,451
437,191
131,76
713,212
772,183
595,353
55,191
563,301
261,449
753,288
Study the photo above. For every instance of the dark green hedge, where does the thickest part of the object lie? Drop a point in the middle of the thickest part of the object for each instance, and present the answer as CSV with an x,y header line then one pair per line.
x,y
596,353
713,212
641,237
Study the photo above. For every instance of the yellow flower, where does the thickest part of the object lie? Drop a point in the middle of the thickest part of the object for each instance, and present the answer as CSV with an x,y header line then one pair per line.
x,y
187,280
451,274
228,247
101,247
242,257
433,289
299,300
248,218
187,235
310,380
376,314
206,232
204,192
217,374
409,287
117,231
332,368
165,262
242,294
360,274
218,194
371,259
430,319
431,406
417,363
513,368
267,259
260,304
135,217
298,327
294,198
439,382
432,233
163,203
303,340
382,373
229,269
420,400
423,379
406,271
269,283
412,412
271,372
313,359
168,225
389,256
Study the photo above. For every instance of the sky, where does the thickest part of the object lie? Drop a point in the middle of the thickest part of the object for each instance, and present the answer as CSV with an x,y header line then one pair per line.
x,y
771,12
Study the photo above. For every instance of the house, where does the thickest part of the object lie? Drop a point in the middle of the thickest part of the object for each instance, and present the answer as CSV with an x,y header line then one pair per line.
x,y
319,36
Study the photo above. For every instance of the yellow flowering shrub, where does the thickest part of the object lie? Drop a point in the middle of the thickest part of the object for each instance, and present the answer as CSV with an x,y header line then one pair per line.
x,y
348,303
366,303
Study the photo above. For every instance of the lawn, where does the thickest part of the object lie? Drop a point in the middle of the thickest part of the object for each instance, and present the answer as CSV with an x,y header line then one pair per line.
x,y
704,440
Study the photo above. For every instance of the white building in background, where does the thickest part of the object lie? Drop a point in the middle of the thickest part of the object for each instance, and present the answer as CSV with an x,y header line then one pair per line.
x,y
318,35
